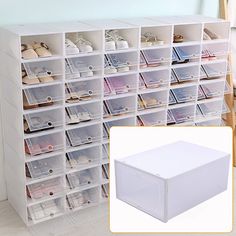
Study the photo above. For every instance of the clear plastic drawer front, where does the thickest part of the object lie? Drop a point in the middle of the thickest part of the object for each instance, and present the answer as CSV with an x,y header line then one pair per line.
x,y
215,89
43,69
43,95
183,114
83,199
185,94
45,189
44,144
43,120
120,105
84,135
83,113
83,91
186,73
217,69
46,210
154,99
83,158
214,108
155,79
153,119
45,167
83,178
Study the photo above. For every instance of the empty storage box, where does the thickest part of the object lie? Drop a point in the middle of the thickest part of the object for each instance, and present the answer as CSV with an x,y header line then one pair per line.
x,y
171,179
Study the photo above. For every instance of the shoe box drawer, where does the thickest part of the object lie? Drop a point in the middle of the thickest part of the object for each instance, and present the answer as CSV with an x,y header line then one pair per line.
x,y
43,69
152,119
40,121
170,118
155,79
44,167
82,158
122,122
155,57
215,51
83,113
83,67
83,199
215,89
212,70
43,144
46,210
119,85
186,73
184,54
105,191
154,99
105,171
83,91
120,106
105,152
183,114
43,96
120,62
83,178
84,135
185,94
214,108
215,122
45,189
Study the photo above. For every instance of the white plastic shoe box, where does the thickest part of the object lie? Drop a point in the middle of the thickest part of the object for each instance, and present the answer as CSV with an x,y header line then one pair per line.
x,y
171,179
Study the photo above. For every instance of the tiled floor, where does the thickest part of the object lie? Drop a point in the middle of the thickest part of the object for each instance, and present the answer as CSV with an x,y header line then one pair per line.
x,y
91,222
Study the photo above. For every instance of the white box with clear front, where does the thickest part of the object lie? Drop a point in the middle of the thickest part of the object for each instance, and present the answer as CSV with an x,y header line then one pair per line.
x,y
166,181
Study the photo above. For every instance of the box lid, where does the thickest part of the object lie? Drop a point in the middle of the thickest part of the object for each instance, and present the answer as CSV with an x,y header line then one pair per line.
x,y
173,159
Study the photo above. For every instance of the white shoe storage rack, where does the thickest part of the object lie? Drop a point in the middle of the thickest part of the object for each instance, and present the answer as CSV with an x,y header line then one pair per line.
x,y
57,186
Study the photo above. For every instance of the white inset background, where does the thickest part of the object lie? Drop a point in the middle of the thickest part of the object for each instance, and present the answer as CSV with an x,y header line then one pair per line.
x,y
213,215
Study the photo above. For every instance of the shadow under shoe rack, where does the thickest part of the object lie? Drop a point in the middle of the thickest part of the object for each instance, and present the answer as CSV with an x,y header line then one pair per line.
x,y
56,167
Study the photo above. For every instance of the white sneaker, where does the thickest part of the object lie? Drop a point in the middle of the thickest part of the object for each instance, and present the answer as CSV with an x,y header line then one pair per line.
x,y
120,42
83,44
110,44
71,48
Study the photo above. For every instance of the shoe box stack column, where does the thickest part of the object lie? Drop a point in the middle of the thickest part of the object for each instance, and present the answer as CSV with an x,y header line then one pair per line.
x,y
57,110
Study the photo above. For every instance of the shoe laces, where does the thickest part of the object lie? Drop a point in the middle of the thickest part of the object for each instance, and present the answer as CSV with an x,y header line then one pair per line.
x,y
112,35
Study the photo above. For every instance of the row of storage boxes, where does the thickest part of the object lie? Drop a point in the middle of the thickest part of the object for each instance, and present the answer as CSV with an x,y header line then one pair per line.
x,y
75,160
183,114
75,201
91,66
75,181
157,35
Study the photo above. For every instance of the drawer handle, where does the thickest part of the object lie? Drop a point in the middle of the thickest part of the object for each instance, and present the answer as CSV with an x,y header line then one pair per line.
x,y
52,214
51,193
50,147
50,123
50,171
49,99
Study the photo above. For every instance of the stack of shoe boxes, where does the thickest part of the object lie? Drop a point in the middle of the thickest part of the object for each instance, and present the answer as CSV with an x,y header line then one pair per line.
x,y
65,85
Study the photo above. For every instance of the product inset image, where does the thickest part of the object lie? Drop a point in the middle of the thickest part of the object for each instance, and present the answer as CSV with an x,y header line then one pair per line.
x,y
166,181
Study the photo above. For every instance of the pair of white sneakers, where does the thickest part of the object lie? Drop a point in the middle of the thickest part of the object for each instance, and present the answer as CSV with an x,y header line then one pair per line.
x,y
114,41
79,45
